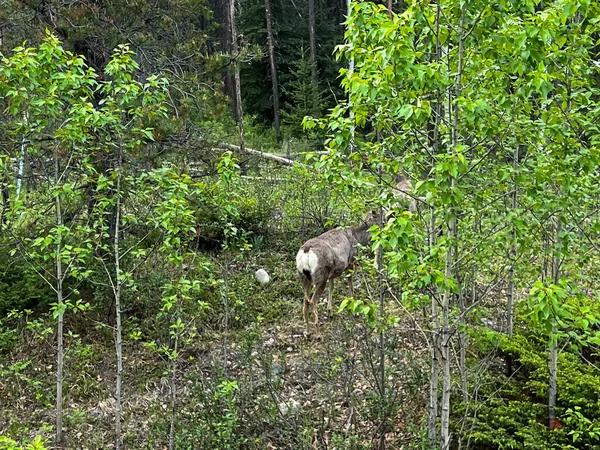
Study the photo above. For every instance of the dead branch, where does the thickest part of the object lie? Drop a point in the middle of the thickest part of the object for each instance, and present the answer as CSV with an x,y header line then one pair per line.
x,y
279,159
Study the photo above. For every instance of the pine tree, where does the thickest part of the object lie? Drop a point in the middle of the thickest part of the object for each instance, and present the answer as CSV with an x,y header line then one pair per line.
x,y
304,99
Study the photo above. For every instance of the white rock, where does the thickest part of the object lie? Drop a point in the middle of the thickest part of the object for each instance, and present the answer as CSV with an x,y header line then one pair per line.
x,y
262,276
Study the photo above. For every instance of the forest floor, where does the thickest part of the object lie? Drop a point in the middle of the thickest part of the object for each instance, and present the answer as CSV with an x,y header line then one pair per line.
x,y
290,391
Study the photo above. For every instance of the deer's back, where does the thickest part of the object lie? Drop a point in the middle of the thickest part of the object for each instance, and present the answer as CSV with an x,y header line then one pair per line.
x,y
334,248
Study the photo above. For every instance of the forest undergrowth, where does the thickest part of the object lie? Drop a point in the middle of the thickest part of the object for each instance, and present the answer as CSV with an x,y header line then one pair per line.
x,y
140,192
257,384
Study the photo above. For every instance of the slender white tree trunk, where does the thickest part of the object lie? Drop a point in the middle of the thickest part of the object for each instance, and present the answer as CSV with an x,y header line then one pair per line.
x,y
174,361
174,392
445,342
435,314
552,389
462,342
553,360
513,257
350,72
117,292
435,347
449,267
21,160
59,303
21,166
380,288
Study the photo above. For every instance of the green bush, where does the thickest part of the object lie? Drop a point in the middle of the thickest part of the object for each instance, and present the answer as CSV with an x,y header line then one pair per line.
x,y
7,443
20,286
216,424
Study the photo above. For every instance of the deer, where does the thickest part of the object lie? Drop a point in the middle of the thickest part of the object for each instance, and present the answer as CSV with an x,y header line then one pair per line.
x,y
402,191
326,257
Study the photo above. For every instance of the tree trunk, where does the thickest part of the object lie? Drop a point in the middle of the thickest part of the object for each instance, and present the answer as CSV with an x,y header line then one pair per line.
x,y
552,389
21,166
59,305
5,199
236,74
390,8
553,360
513,256
449,266
380,287
313,50
118,334
174,389
435,346
221,9
350,72
175,358
271,46
445,339
462,342
435,318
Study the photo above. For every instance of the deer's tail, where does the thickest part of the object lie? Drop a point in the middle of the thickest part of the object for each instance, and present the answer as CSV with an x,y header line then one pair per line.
x,y
307,262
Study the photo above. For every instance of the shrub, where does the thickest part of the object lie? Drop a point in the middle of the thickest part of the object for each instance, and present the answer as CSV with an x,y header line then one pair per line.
x,y
515,413
20,285
7,443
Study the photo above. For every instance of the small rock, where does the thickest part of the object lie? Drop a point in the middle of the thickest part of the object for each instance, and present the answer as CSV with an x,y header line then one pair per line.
x,y
262,276
289,349
269,342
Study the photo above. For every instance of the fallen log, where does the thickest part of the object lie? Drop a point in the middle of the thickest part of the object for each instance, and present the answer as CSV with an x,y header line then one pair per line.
x,y
250,177
278,158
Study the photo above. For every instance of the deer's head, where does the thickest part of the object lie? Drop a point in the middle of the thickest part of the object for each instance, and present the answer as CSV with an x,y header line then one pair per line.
x,y
371,218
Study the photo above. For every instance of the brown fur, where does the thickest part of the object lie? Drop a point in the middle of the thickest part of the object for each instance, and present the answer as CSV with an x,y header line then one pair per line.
x,y
335,251
402,191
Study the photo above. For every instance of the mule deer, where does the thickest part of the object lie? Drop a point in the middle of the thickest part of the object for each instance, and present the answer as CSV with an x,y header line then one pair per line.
x,y
323,258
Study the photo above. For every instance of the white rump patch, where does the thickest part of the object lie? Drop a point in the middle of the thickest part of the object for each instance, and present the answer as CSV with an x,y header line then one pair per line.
x,y
306,261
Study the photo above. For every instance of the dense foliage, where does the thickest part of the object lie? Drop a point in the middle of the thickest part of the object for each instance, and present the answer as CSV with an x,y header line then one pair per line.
x,y
133,217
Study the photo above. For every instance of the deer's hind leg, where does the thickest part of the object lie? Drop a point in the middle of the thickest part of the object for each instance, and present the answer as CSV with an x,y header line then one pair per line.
x,y
350,285
319,289
330,298
306,285
349,278
305,311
